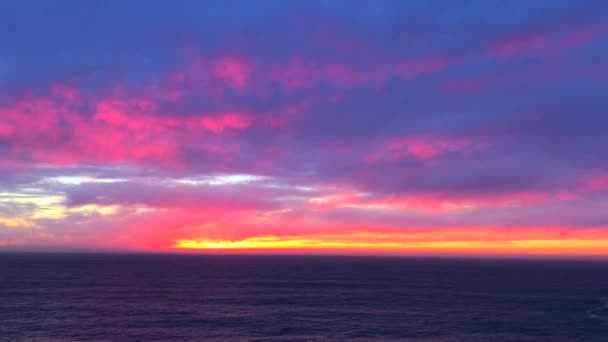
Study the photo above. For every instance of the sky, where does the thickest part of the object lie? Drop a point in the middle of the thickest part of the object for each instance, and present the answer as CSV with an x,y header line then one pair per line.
x,y
458,127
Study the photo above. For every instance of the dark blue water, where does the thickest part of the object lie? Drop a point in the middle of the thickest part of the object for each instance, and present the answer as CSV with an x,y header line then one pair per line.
x,y
79,297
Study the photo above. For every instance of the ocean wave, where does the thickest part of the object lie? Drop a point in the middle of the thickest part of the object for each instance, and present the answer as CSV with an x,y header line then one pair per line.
x,y
599,312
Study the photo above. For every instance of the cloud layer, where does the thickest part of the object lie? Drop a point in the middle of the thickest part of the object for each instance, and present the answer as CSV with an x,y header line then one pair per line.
x,y
358,125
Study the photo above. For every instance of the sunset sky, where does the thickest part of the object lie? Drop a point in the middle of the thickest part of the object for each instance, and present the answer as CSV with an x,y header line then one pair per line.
x,y
458,127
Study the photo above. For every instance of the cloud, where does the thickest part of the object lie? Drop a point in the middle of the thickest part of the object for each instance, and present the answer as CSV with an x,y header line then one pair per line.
x,y
202,122
162,194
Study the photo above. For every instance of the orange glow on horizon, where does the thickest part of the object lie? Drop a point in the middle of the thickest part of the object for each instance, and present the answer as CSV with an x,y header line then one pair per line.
x,y
399,244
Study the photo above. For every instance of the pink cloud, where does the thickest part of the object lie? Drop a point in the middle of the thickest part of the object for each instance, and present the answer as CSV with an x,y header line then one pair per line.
x,y
243,74
123,127
515,45
69,93
419,148
567,196
233,70
597,183
543,44
219,123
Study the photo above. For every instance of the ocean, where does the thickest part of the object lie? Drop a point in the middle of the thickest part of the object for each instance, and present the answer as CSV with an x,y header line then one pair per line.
x,y
173,297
